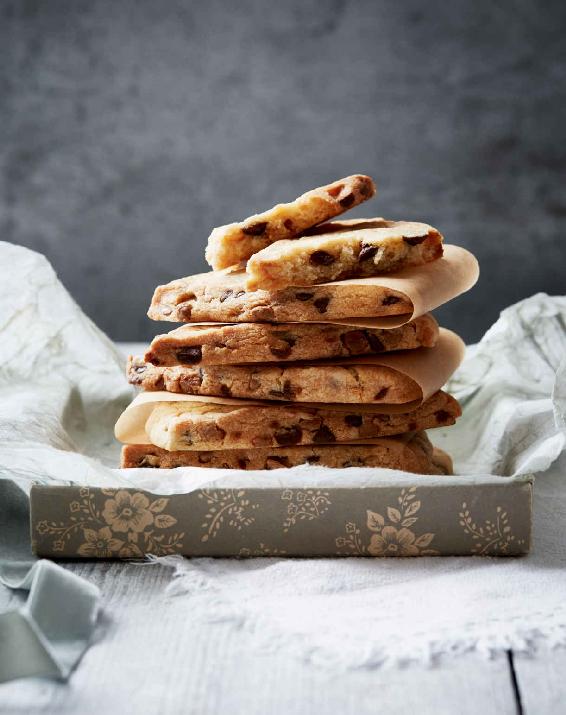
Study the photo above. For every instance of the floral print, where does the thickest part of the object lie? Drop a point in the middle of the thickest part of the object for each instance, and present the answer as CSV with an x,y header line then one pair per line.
x,y
309,504
494,537
100,544
226,506
128,525
127,512
387,539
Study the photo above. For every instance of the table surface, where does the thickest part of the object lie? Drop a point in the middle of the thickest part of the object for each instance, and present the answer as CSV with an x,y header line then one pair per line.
x,y
150,657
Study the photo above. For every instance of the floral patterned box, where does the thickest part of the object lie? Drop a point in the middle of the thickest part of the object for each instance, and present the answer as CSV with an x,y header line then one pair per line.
x,y
408,516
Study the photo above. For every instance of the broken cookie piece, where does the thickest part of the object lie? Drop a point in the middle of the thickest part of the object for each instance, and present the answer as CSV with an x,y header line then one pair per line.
x,y
346,249
266,342
177,426
318,382
410,453
221,296
235,242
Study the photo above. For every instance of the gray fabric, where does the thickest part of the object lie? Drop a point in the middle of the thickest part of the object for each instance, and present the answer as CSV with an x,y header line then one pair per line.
x,y
47,634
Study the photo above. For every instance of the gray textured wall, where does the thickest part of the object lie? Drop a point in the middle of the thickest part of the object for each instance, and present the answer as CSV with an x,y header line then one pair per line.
x,y
129,129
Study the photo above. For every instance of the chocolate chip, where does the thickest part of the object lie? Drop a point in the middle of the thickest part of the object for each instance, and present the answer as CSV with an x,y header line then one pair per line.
x,y
442,416
303,296
205,458
273,462
353,420
225,295
255,229
285,335
225,390
412,426
374,342
239,293
313,459
358,341
288,389
321,304
381,394
323,435
285,351
390,300
281,352
365,189
184,311
286,392
243,462
189,356
288,435
288,224
347,201
354,341
366,252
414,241
321,258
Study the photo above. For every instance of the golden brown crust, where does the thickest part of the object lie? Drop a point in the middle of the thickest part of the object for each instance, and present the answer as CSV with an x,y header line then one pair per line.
x,y
266,342
236,242
409,453
296,383
362,248
221,296
176,426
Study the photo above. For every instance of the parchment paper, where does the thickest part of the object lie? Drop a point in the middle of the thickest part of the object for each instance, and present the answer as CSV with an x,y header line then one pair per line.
x,y
429,368
62,388
425,287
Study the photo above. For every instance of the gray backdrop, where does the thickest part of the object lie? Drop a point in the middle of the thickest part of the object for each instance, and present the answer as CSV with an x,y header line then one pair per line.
x,y
129,129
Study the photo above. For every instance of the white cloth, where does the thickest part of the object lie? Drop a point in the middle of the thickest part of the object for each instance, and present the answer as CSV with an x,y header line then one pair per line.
x,y
62,387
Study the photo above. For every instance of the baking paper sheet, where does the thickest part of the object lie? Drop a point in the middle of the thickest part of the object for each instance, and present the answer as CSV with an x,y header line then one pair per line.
x,y
426,287
429,368
62,388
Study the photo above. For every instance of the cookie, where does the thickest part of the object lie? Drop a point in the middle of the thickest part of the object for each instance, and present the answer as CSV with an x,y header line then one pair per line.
x,y
221,296
177,426
266,342
235,242
410,453
347,249
290,383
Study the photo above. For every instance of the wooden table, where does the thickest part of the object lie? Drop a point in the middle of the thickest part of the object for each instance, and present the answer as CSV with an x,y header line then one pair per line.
x,y
151,658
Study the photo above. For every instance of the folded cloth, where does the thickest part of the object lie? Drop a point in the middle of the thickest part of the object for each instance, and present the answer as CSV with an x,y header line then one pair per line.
x,y
41,638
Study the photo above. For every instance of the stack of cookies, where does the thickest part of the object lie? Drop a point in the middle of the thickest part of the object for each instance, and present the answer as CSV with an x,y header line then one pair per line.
x,y
278,351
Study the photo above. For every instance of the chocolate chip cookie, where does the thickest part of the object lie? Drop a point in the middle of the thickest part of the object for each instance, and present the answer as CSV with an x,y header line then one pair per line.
x,y
266,342
235,242
177,426
409,453
290,383
221,296
346,249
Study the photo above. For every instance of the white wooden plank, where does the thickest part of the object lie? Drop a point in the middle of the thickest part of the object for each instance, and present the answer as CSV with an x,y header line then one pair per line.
x,y
153,658
541,682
